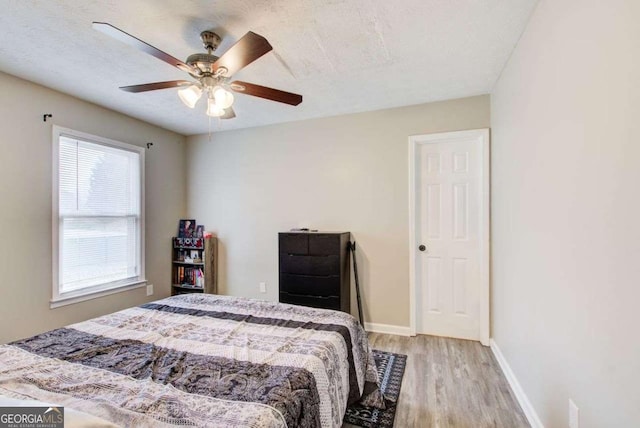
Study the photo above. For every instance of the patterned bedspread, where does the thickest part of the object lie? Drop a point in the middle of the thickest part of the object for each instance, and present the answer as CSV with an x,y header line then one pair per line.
x,y
199,360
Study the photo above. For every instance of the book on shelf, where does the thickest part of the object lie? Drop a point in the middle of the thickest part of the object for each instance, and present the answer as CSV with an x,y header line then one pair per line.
x,y
189,277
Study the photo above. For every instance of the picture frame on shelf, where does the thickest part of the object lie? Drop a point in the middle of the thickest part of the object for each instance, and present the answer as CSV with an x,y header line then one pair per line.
x,y
199,231
187,228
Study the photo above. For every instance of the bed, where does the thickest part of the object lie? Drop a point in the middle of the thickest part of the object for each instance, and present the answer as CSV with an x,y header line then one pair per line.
x,y
200,360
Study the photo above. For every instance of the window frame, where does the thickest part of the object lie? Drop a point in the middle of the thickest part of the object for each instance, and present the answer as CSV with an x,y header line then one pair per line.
x,y
61,299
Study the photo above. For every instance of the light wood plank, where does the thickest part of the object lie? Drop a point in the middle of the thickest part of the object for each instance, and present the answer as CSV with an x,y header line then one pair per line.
x,y
450,383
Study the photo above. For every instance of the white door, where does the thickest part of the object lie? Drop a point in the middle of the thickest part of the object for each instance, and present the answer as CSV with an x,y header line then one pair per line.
x,y
451,234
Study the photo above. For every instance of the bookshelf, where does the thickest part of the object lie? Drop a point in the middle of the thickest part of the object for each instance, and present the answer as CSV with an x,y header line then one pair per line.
x,y
194,265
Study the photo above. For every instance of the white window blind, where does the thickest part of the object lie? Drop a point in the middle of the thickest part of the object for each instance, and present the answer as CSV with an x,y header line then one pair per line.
x,y
99,216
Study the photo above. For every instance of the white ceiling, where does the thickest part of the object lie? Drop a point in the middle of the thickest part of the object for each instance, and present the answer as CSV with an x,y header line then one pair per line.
x,y
343,56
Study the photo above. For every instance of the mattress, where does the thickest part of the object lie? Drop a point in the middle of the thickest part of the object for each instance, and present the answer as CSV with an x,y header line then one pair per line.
x,y
200,360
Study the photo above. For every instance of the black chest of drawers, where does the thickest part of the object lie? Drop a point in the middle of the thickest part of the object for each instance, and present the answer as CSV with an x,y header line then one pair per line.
x,y
314,269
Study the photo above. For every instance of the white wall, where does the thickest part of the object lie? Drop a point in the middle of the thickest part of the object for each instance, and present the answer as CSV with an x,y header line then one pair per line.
x,y
25,197
566,210
347,173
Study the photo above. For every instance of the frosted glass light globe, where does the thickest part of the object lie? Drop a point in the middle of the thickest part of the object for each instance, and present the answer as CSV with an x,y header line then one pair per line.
x,y
223,98
213,109
190,96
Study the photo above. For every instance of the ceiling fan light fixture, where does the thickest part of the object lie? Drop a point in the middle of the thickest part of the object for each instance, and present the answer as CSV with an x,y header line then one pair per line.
x,y
210,73
190,96
223,98
213,109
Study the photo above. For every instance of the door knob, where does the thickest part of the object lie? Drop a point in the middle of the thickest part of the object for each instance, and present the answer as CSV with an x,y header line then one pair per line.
x,y
422,248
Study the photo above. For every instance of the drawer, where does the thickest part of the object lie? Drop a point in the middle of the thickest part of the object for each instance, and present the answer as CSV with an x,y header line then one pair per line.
x,y
294,243
324,245
310,265
312,285
312,301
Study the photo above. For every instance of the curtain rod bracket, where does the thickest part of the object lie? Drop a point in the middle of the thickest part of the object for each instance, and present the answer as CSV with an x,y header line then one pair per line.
x,y
45,116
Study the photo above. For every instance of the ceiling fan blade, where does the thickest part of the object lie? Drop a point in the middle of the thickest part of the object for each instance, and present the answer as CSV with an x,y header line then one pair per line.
x,y
266,93
156,85
246,50
228,113
127,38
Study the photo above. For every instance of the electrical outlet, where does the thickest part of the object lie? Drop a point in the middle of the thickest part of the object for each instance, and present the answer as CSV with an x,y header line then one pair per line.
x,y
149,289
263,287
574,415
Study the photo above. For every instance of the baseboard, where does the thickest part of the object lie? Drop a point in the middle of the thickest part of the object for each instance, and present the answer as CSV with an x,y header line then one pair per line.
x,y
398,330
522,398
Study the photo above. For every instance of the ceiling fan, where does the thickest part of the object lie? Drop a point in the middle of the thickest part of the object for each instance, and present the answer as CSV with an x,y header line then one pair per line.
x,y
212,74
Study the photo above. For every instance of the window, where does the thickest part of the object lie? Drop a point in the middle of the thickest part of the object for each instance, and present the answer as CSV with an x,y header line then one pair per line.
x,y
98,208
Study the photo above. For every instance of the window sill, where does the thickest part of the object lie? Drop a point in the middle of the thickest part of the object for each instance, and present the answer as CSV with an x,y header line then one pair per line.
x,y
70,300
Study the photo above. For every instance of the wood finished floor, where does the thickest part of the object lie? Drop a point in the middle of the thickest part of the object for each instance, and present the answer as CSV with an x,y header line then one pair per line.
x,y
450,383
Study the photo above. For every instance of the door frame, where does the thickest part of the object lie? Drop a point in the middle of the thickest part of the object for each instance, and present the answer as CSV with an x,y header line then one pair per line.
x,y
482,135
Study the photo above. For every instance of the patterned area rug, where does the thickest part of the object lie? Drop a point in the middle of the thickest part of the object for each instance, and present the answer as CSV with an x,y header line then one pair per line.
x,y
390,371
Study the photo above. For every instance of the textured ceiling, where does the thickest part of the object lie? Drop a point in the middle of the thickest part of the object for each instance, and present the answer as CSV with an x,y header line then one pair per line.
x,y
343,56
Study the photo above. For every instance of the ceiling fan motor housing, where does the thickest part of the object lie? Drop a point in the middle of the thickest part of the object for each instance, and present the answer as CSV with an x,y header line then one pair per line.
x,y
202,61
